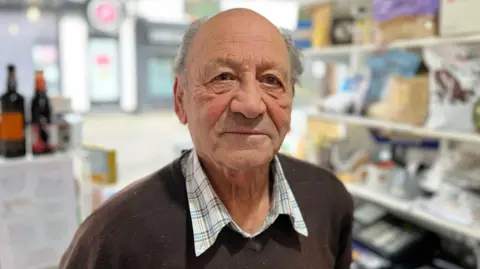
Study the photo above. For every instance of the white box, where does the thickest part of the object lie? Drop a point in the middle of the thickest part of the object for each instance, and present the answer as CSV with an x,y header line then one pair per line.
x,y
459,17
38,212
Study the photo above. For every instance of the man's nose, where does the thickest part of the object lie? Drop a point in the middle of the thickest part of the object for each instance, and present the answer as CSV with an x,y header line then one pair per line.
x,y
248,101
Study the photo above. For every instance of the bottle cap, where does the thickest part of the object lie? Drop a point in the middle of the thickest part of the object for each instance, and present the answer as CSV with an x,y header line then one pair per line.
x,y
11,80
39,82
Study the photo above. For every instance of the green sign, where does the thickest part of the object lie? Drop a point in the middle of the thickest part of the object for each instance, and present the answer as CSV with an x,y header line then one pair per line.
x,y
206,9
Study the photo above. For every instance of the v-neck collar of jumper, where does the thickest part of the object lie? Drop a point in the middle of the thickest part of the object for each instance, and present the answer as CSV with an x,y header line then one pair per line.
x,y
209,215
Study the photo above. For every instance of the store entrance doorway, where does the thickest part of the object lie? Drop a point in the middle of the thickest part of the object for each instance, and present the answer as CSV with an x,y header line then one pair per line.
x,y
156,79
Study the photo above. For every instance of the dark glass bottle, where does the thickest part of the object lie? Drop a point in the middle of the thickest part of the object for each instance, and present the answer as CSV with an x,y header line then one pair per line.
x,y
43,127
13,118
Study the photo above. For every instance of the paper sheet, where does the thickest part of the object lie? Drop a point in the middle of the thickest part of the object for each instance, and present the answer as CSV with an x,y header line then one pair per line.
x,y
37,211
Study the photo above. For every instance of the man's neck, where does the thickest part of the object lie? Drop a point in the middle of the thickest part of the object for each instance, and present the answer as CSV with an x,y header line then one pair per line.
x,y
245,194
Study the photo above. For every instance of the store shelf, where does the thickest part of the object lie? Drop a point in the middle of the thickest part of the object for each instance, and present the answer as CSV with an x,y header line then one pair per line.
x,y
401,44
470,232
396,127
417,215
389,202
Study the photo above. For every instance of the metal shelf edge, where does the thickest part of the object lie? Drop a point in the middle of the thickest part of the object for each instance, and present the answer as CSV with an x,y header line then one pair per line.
x,y
410,209
398,127
408,43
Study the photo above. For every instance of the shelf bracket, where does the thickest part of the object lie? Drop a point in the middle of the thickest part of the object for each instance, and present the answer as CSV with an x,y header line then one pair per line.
x,y
476,251
444,146
475,245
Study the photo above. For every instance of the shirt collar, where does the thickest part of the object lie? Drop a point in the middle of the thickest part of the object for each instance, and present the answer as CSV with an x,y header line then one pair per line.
x,y
209,215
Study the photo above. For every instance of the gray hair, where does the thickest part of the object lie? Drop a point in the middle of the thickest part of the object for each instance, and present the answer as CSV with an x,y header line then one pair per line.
x,y
179,64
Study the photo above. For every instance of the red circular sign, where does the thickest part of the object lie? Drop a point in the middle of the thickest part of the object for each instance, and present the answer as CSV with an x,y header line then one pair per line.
x,y
106,12
105,15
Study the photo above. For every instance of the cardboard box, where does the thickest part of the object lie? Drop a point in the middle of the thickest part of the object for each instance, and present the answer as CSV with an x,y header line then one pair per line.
x,y
103,164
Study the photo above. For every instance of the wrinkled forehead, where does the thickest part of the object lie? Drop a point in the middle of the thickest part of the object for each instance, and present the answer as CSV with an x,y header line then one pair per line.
x,y
240,43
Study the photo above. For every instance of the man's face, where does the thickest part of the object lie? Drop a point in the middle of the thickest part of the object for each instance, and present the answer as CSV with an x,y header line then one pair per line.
x,y
237,93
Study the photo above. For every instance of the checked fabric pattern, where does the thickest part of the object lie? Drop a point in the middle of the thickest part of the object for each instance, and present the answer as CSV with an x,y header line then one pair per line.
x,y
209,215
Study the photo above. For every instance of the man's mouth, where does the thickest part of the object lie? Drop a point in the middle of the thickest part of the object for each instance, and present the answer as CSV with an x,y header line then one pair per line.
x,y
247,133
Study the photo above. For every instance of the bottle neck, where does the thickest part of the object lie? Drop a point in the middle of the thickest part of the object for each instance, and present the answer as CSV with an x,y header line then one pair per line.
x,y
11,85
40,92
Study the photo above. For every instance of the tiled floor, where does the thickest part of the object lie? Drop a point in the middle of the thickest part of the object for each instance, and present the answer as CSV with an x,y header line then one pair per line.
x,y
143,143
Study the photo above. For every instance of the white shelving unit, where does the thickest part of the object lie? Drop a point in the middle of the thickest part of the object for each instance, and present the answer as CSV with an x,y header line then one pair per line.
x,y
354,55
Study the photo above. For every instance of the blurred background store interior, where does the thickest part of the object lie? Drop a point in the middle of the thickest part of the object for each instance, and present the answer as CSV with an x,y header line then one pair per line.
x,y
389,101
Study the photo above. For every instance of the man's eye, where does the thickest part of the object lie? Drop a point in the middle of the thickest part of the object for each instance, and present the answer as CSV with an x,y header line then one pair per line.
x,y
224,76
271,80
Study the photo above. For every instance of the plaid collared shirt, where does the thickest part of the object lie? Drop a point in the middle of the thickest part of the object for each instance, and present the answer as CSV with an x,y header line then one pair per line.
x,y
209,215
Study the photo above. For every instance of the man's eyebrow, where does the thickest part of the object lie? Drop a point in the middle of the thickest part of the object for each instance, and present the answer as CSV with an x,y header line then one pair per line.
x,y
272,65
234,63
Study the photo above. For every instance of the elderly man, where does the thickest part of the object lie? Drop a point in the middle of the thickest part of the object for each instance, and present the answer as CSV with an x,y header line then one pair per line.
x,y
232,202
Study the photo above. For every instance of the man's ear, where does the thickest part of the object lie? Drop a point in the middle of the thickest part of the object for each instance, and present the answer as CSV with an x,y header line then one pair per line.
x,y
179,96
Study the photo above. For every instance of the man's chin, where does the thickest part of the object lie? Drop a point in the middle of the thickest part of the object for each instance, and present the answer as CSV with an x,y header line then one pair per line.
x,y
247,158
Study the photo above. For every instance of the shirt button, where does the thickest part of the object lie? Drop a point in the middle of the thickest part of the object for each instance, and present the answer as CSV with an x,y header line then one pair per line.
x,y
254,245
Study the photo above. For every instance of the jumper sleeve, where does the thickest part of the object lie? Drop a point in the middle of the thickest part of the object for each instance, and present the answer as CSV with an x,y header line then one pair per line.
x,y
344,257
89,250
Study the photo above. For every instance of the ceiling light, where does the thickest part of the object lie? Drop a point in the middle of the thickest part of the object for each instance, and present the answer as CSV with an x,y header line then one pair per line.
x,y
13,29
33,14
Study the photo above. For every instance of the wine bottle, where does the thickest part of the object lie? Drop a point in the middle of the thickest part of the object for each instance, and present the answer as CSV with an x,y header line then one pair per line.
x,y
44,133
1,143
12,133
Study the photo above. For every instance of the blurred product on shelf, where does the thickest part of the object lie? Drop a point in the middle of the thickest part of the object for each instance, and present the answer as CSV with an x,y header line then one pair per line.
x,y
406,101
103,164
382,66
294,143
393,88
303,34
369,85
342,30
454,204
458,167
459,17
404,19
352,151
364,24
345,98
12,131
321,25
64,132
69,125
454,88
44,129
406,27
386,10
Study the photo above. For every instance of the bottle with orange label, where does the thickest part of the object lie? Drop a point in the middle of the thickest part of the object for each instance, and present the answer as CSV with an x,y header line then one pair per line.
x,y
44,131
12,133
